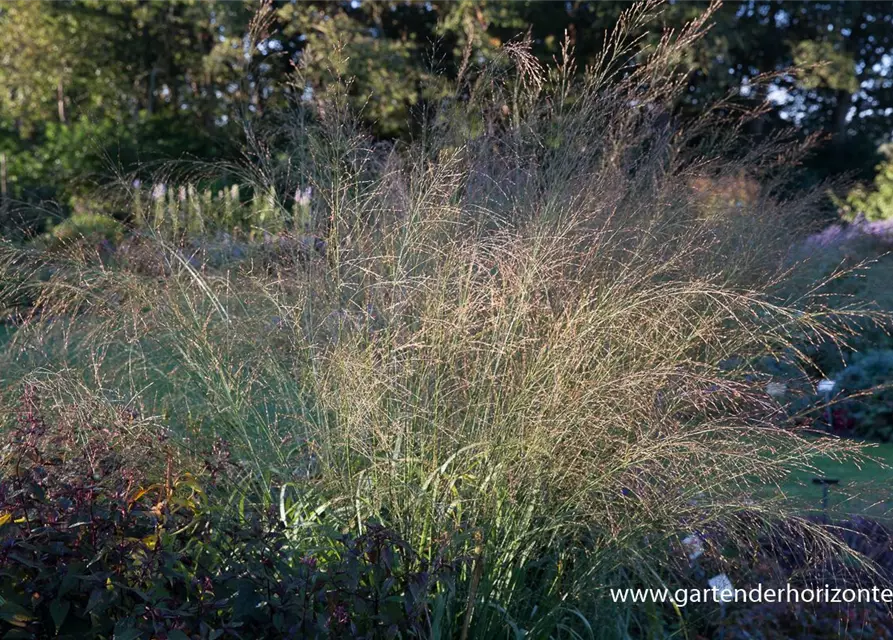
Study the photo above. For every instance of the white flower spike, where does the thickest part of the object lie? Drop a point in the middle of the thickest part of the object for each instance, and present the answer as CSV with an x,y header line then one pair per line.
x,y
694,547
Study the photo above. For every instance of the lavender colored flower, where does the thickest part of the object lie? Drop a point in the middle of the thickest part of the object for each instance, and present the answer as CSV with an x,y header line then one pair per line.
x,y
340,615
838,235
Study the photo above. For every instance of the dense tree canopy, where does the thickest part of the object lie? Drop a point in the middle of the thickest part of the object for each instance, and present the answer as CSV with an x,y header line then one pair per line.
x,y
88,85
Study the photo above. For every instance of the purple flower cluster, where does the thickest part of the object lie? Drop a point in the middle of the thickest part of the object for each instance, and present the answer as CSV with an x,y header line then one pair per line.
x,y
839,235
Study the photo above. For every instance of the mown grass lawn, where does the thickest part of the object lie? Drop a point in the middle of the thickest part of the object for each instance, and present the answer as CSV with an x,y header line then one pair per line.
x,y
865,488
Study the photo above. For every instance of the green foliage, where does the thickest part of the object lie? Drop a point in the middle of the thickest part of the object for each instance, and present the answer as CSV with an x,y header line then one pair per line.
x,y
117,60
70,157
874,203
49,59
92,228
61,173
339,42
134,78
825,63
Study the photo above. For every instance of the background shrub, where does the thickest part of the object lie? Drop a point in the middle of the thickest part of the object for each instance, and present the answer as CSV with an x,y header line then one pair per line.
x,y
92,228
867,385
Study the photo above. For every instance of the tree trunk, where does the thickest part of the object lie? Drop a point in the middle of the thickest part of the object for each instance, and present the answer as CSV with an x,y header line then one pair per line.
x,y
60,101
150,93
4,189
844,101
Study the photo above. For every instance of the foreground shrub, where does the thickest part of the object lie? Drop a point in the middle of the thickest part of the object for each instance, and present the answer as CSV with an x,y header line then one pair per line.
x,y
810,622
868,538
89,550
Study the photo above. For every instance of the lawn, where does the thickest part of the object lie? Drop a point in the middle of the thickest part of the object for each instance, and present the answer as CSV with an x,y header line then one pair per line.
x,y
864,487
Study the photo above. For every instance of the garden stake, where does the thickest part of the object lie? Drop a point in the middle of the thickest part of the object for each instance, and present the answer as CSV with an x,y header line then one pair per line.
x,y
826,483
827,388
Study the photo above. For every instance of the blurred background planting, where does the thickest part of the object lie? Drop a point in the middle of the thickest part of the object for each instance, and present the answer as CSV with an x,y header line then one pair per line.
x,y
91,90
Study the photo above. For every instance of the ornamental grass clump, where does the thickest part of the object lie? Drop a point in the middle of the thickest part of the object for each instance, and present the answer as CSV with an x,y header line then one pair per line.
x,y
527,330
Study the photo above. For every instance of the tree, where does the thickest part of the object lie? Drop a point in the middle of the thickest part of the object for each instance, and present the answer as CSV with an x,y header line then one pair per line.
x,y
89,83
48,63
